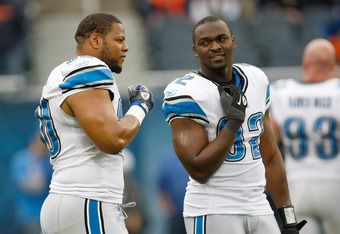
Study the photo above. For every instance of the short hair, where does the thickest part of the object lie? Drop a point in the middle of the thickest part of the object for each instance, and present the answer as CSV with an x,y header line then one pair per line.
x,y
100,23
209,19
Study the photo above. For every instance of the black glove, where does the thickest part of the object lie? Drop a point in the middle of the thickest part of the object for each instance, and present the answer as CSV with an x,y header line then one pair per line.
x,y
289,224
142,97
234,104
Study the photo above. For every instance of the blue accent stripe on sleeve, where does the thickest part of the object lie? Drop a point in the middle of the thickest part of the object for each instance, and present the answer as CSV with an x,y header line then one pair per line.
x,y
83,69
268,93
87,78
182,108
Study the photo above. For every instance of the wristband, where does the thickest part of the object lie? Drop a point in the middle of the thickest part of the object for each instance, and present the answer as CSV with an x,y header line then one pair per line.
x,y
287,215
138,112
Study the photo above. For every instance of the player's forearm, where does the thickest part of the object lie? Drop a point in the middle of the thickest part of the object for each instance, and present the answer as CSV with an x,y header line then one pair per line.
x,y
210,159
112,137
277,183
276,129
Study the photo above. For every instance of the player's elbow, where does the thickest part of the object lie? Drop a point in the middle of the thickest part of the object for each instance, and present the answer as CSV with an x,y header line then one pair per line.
x,y
113,147
200,177
112,142
197,172
203,181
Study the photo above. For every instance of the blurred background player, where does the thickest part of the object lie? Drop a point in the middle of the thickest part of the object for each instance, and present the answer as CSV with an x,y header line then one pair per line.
x,y
171,183
135,223
13,34
306,121
31,173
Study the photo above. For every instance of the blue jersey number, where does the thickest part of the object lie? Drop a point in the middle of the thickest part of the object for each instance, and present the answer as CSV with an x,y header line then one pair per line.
x,y
47,131
323,129
182,80
255,125
238,151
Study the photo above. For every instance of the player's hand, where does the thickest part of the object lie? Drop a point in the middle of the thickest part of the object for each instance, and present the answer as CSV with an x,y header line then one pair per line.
x,y
142,97
289,224
234,104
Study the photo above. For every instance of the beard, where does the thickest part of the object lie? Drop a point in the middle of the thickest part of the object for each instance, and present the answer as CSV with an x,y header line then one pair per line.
x,y
111,63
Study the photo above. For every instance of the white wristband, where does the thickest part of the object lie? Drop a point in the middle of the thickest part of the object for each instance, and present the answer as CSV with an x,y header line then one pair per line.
x,y
136,111
289,214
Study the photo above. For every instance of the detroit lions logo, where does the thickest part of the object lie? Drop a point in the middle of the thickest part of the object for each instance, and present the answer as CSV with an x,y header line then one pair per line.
x,y
170,93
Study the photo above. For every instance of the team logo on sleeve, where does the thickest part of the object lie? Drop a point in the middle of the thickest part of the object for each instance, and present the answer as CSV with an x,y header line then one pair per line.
x,y
171,93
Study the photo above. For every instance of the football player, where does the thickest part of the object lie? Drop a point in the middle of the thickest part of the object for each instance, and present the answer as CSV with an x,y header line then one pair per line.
x,y
221,132
306,118
82,125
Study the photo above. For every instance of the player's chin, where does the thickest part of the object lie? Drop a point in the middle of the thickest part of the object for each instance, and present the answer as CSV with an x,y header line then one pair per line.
x,y
219,65
218,61
116,68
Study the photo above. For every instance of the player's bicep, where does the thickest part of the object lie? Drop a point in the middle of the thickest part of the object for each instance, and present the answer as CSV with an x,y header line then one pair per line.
x,y
189,139
96,115
276,128
268,145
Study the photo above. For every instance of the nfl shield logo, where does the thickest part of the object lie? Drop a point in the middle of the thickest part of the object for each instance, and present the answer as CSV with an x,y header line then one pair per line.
x,y
145,95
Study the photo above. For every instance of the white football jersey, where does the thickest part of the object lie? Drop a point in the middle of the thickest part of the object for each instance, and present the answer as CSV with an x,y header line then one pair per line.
x,y
237,187
308,116
80,168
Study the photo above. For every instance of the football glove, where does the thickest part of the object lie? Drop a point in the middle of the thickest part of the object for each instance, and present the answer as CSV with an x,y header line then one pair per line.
x,y
234,104
289,224
142,97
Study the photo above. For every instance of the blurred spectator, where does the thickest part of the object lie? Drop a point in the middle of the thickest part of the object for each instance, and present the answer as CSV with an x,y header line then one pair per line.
x,y
290,10
332,31
136,218
228,9
335,40
155,12
198,9
12,30
175,8
316,2
293,13
31,174
249,11
172,182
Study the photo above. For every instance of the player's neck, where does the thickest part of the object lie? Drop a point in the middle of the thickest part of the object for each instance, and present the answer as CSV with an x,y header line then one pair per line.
x,y
219,81
222,76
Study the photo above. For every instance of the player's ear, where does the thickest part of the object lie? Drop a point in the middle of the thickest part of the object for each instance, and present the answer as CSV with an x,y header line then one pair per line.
x,y
195,50
234,42
96,40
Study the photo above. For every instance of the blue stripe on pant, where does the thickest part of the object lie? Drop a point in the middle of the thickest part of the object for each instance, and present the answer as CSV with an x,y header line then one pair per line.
x,y
95,217
200,225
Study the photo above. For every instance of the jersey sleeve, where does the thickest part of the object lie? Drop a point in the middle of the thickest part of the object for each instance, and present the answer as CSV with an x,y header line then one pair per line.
x,y
88,77
268,100
179,102
85,74
262,79
278,98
